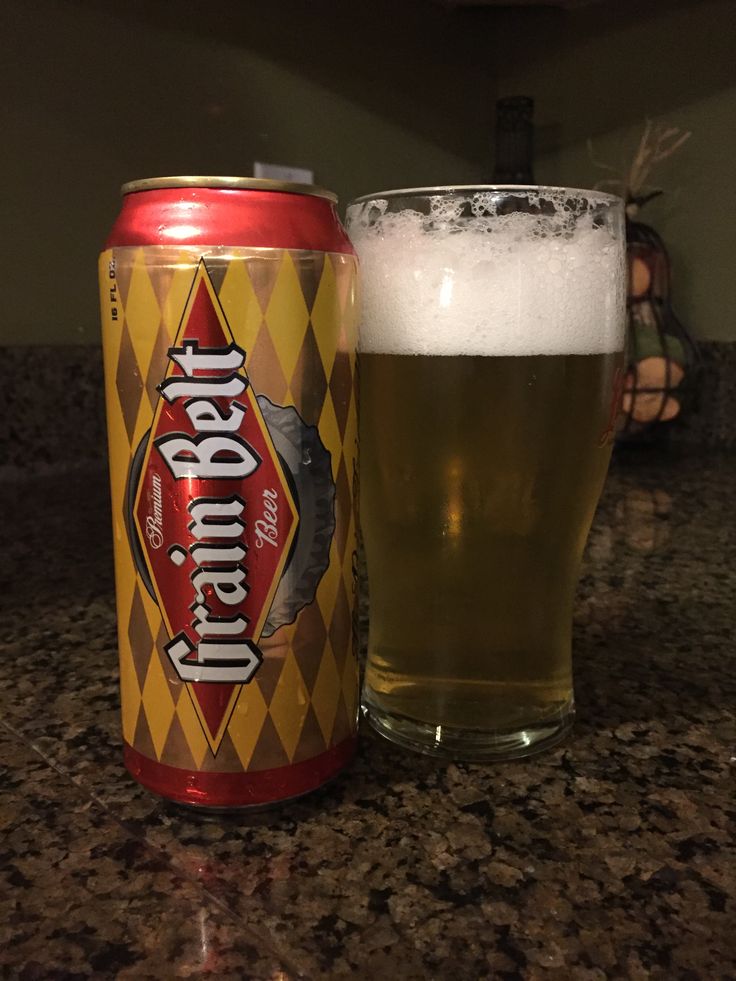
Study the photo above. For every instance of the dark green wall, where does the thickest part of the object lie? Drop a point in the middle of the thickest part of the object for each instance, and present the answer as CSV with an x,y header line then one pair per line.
x,y
598,72
96,93
373,95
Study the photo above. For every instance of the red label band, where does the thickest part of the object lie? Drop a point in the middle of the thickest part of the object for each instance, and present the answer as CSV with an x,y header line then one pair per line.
x,y
238,789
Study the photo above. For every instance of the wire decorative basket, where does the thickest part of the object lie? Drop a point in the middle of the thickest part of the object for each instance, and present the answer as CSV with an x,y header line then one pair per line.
x,y
662,357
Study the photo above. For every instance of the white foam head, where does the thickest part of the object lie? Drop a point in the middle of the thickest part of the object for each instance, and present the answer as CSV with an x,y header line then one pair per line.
x,y
462,277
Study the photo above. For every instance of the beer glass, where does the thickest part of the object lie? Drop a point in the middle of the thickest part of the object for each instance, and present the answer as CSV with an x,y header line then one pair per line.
x,y
490,373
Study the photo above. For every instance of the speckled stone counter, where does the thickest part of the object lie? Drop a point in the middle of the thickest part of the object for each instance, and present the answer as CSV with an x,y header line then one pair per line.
x,y
610,857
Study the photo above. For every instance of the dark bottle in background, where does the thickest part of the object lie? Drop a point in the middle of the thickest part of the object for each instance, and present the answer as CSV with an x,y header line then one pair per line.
x,y
514,140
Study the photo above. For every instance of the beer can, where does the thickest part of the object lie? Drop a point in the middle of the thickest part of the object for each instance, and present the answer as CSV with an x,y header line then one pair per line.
x,y
229,338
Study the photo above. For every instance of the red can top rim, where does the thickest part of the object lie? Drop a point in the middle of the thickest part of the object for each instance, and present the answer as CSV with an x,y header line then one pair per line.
x,y
229,183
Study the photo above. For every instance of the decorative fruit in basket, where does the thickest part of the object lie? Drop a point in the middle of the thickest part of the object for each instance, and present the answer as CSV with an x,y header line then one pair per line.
x,y
657,357
661,353
656,368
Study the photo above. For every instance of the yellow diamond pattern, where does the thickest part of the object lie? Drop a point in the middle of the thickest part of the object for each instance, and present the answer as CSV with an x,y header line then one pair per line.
x,y
142,312
176,298
240,303
289,705
328,585
329,430
190,724
326,692
129,689
351,436
130,701
260,291
324,313
287,316
246,721
151,610
158,703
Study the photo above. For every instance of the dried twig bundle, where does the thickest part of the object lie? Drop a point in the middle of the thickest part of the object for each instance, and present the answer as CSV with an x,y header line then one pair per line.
x,y
658,142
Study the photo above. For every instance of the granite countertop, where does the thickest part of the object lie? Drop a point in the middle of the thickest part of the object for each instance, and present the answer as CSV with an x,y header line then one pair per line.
x,y
610,857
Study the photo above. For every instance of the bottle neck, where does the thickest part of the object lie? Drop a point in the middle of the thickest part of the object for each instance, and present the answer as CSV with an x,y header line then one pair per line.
x,y
514,141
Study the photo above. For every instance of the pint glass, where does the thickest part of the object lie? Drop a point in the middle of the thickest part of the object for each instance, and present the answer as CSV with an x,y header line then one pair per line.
x,y
490,374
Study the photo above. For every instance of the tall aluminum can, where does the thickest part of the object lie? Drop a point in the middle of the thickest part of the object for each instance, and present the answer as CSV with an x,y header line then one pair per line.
x,y
229,334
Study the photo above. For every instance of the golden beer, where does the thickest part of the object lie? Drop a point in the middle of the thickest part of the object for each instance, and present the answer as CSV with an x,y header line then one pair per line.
x,y
479,530
486,433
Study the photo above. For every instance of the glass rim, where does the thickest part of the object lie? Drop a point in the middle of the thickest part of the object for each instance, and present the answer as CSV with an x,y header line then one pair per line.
x,y
600,197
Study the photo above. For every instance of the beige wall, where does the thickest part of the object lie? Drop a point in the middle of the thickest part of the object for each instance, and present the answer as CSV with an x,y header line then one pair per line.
x,y
391,93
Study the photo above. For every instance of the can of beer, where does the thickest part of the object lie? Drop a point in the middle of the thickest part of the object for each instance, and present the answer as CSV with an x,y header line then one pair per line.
x,y
229,336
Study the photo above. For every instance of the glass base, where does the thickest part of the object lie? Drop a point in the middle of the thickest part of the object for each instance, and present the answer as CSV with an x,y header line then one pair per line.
x,y
469,745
